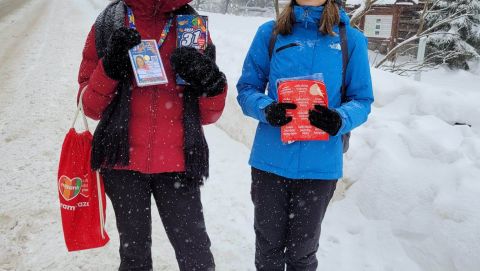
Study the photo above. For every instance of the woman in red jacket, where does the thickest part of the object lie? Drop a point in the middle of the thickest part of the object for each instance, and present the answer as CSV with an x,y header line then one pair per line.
x,y
150,140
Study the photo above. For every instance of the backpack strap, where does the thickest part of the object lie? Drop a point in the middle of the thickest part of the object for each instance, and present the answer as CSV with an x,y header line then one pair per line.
x,y
344,46
273,40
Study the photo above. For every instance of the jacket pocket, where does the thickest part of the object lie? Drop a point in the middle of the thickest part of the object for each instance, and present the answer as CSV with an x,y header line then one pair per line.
x,y
293,44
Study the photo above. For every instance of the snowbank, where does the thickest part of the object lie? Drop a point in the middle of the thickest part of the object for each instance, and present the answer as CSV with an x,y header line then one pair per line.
x,y
414,175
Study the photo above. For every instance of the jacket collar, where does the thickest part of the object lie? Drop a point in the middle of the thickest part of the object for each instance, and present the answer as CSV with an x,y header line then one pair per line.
x,y
150,8
311,15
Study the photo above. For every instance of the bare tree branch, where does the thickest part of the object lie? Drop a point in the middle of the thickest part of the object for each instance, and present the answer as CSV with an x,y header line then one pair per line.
x,y
227,5
357,15
406,68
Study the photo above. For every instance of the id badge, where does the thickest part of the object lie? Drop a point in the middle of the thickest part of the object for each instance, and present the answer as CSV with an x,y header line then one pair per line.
x,y
147,64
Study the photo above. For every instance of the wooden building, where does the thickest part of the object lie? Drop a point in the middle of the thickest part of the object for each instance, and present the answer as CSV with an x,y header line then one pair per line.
x,y
389,22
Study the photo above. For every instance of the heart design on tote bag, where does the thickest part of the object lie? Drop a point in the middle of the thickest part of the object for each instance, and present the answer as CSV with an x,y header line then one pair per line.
x,y
69,188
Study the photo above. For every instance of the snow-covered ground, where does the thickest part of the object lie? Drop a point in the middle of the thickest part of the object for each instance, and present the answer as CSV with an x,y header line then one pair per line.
x,y
409,200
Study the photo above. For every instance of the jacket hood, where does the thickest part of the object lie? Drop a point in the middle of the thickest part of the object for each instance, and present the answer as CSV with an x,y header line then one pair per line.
x,y
311,14
152,7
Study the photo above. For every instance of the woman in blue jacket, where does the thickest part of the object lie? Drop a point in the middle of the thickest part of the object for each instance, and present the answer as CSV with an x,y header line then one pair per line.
x,y
292,184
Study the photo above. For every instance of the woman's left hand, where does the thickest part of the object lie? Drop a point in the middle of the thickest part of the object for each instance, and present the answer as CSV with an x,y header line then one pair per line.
x,y
326,119
199,70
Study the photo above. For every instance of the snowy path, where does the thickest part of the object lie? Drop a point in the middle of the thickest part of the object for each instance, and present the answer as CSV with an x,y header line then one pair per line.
x,y
413,177
9,6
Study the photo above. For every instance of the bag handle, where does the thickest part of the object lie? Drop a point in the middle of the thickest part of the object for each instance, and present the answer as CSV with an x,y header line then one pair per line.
x,y
100,205
80,109
97,172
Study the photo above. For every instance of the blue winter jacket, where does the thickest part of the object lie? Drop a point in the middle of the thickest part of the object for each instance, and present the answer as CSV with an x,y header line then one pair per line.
x,y
312,53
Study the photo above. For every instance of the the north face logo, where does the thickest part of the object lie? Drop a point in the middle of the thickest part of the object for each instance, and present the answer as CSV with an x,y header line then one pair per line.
x,y
336,46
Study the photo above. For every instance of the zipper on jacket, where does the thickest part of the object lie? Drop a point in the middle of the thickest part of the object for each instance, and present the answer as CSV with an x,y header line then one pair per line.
x,y
305,17
293,44
314,53
153,115
152,130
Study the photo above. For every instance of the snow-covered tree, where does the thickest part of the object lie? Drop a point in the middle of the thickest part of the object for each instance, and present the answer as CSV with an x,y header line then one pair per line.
x,y
458,41
239,7
448,44
358,13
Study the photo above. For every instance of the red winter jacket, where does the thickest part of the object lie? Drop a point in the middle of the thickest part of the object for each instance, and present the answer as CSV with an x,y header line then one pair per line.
x,y
156,125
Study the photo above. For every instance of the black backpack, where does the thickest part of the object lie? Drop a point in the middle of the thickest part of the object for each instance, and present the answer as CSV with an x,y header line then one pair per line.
x,y
344,46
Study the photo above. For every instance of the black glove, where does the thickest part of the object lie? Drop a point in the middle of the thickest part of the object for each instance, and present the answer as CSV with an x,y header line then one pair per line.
x,y
326,119
276,113
116,61
199,70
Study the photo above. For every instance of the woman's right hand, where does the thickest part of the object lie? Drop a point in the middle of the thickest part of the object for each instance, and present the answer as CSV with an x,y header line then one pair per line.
x,y
276,113
116,61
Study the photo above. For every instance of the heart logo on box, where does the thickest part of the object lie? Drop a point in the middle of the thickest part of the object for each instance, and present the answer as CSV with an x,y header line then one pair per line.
x,y
69,188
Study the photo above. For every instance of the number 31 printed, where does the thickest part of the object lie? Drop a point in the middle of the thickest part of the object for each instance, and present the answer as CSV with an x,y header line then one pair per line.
x,y
190,38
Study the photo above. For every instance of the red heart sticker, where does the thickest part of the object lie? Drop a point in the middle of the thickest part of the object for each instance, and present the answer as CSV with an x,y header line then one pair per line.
x,y
69,188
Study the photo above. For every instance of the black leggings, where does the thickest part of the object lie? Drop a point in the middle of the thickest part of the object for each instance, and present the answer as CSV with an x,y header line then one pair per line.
x,y
181,212
288,218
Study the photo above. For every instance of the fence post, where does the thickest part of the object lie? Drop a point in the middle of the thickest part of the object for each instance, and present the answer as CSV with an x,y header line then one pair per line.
x,y
422,44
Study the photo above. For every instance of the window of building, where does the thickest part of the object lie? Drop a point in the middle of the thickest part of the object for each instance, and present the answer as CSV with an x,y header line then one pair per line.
x,y
378,26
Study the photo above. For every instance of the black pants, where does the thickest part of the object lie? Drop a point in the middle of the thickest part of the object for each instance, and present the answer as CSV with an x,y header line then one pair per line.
x,y
288,217
181,212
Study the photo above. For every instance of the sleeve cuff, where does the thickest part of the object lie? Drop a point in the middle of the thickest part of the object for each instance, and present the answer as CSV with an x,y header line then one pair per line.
x,y
261,106
344,121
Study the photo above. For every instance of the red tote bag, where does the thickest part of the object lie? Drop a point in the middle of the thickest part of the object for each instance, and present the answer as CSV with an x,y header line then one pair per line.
x,y
80,190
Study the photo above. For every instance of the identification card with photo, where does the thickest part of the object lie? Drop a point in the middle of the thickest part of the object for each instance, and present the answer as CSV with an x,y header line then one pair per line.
x,y
147,64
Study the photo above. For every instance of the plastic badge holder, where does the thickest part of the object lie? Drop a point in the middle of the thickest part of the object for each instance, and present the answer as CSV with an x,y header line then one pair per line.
x,y
305,92
147,64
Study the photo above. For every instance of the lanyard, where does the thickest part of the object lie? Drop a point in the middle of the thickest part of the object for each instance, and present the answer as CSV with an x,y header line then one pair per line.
x,y
165,31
